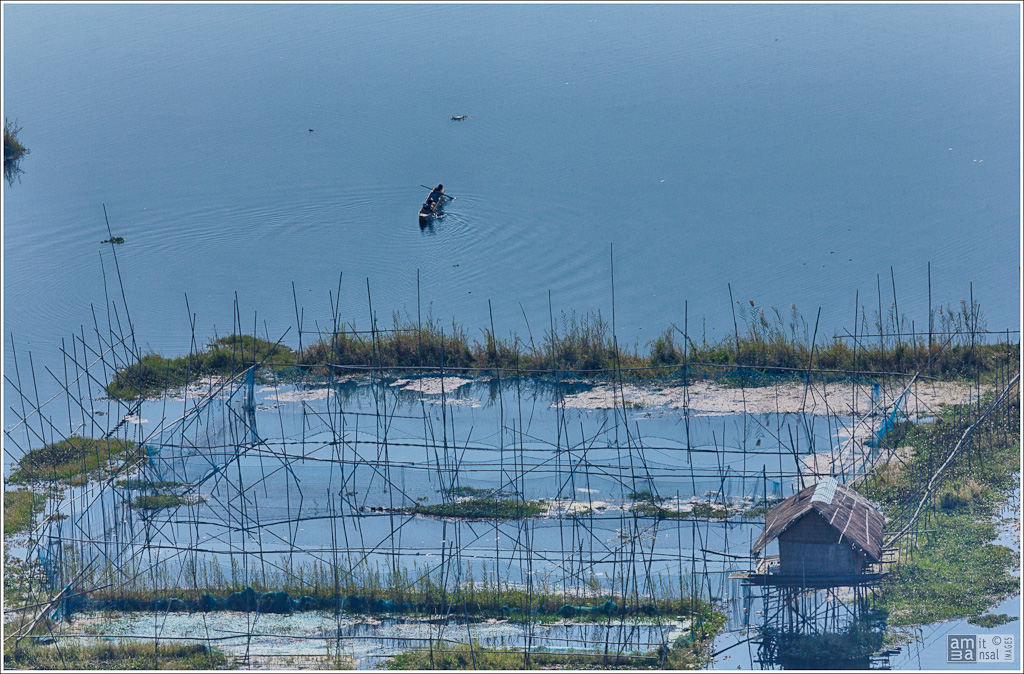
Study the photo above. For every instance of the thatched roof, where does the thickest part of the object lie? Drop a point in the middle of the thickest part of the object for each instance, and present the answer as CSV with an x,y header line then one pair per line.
x,y
846,511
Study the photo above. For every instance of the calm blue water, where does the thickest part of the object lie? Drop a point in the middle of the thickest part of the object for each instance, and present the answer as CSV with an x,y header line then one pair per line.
x,y
796,152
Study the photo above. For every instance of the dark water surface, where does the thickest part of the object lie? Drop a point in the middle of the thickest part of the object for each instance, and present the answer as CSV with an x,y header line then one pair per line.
x,y
795,152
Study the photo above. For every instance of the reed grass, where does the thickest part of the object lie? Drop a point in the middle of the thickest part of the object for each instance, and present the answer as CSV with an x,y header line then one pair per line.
x,y
75,461
770,347
14,150
223,356
122,655
270,585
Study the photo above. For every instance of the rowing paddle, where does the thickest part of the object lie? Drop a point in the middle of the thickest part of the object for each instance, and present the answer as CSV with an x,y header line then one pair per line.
x,y
443,195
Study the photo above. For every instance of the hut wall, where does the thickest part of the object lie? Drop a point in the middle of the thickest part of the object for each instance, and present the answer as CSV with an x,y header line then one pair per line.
x,y
810,547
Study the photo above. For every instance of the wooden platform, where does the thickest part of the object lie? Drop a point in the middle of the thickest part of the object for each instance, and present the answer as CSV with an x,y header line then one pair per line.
x,y
779,580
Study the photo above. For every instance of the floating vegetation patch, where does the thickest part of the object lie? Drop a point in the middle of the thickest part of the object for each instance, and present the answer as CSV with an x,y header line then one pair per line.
x,y
225,356
162,501
76,460
954,569
14,151
476,492
142,484
644,495
122,655
20,508
479,508
686,652
701,511
761,509
771,351
991,620
447,655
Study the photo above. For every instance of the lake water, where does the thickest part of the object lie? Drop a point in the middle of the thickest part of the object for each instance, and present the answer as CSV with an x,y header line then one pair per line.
x,y
796,152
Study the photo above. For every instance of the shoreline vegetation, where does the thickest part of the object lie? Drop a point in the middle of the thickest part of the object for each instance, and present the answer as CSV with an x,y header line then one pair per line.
x,y
76,461
285,587
20,509
121,655
953,569
584,346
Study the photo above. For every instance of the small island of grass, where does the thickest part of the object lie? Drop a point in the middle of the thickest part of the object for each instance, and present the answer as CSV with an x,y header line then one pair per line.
x,y
161,501
482,509
75,461
20,508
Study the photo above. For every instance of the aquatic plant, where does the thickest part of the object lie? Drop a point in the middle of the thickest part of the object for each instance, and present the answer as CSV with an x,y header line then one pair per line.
x,y
701,511
161,501
771,349
644,495
121,655
76,460
282,586
141,483
954,569
478,508
20,508
991,620
448,655
223,356
13,151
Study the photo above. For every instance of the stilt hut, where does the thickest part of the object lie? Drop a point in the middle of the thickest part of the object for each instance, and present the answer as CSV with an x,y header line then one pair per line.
x,y
827,533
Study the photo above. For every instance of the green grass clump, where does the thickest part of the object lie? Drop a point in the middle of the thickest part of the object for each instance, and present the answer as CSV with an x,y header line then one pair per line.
x,y
366,589
700,511
769,351
475,492
442,655
583,345
991,620
482,509
161,501
76,461
120,655
140,484
645,495
683,654
13,151
952,570
222,357
761,508
20,508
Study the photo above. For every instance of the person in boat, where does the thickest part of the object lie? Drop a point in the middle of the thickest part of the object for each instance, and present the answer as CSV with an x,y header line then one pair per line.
x,y
436,195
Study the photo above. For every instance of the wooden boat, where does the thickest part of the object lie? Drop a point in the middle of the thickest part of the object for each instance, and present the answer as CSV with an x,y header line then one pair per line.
x,y
432,210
